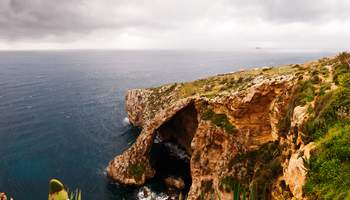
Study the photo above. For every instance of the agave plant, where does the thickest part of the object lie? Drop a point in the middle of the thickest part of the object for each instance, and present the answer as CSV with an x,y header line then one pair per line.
x,y
57,191
75,195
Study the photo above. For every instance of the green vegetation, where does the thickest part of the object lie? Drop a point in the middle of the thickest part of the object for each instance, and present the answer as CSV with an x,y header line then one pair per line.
x,y
216,86
207,190
75,195
344,58
267,167
229,184
136,171
329,127
263,167
57,191
330,109
213,86
219,120
329,167
305,93
342,75
323,88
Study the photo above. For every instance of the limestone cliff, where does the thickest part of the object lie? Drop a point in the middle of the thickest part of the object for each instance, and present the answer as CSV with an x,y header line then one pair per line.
x,y
242,130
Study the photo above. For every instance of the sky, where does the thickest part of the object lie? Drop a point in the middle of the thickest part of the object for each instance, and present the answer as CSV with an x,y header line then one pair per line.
x,y
174,24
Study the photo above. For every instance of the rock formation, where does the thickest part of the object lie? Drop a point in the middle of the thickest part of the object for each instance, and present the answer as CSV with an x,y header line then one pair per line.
x,y
242,131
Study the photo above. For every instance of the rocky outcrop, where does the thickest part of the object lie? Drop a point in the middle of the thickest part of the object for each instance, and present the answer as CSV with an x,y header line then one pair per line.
x,y
3,196
295,173
176,183
239,129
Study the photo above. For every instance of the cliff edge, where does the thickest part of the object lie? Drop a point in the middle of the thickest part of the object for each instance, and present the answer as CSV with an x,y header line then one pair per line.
x,y
247,134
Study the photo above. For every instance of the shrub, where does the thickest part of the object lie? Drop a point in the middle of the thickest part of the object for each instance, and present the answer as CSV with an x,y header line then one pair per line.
x,y
305,92
136,171
327,112
57,191
263,167
344,58
219,120
329,126
342,75
329,167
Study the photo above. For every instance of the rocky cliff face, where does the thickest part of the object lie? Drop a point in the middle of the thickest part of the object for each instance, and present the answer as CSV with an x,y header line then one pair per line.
x,y
242,131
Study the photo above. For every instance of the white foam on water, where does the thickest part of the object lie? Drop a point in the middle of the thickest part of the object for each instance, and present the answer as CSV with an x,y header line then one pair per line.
x,y
146,193
126,121
176,151
157,140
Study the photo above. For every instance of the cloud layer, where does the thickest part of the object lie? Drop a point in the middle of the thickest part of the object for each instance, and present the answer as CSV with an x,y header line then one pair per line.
x,y
219,24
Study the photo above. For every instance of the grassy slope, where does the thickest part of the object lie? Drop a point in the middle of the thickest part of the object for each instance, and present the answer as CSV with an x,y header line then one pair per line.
x,y
329,127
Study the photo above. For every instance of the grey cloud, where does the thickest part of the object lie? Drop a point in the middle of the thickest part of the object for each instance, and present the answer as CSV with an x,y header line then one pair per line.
x,y
304,11
40,18
62,20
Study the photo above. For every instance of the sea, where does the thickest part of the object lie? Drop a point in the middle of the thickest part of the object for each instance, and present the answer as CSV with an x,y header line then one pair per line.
x,y
62,112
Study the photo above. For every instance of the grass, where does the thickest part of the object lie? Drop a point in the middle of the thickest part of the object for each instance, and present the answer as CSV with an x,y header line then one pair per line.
x,y
263,167
207,190
219,120
75,195
229,184
329,167
305,93
328,110
344,58
329,127
136,171
342,75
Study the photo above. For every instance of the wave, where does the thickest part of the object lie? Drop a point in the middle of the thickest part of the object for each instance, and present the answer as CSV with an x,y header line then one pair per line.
x,y
126,122
145,193
176,151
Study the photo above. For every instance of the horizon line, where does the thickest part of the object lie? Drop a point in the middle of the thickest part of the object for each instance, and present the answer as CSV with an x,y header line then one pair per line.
x,y
258,48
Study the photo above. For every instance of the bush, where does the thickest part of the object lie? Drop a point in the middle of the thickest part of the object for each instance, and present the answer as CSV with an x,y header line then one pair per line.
x,y
263,166
342,75
327,112
329,167
329,126
304,93
136,171
344,58
219,120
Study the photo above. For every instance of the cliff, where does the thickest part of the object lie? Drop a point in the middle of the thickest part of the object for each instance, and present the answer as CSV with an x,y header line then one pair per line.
x,y
247,133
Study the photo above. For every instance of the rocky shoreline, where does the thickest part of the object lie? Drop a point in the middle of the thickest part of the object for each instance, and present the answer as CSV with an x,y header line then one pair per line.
x,y
243,131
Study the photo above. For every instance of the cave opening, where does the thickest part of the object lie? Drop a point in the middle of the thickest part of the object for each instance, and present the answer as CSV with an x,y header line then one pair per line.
x,y
171,151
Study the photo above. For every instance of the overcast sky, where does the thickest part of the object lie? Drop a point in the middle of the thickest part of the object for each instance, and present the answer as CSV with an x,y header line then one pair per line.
x,y
174,24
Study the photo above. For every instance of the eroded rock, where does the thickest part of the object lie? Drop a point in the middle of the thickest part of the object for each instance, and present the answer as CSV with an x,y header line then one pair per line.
x,y
175,183
238,129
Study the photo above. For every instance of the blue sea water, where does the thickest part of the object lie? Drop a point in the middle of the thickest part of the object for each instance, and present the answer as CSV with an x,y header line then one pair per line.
x,y
61,112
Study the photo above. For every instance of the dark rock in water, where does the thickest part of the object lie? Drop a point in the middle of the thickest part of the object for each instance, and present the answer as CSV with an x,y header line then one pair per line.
x,y
175,183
